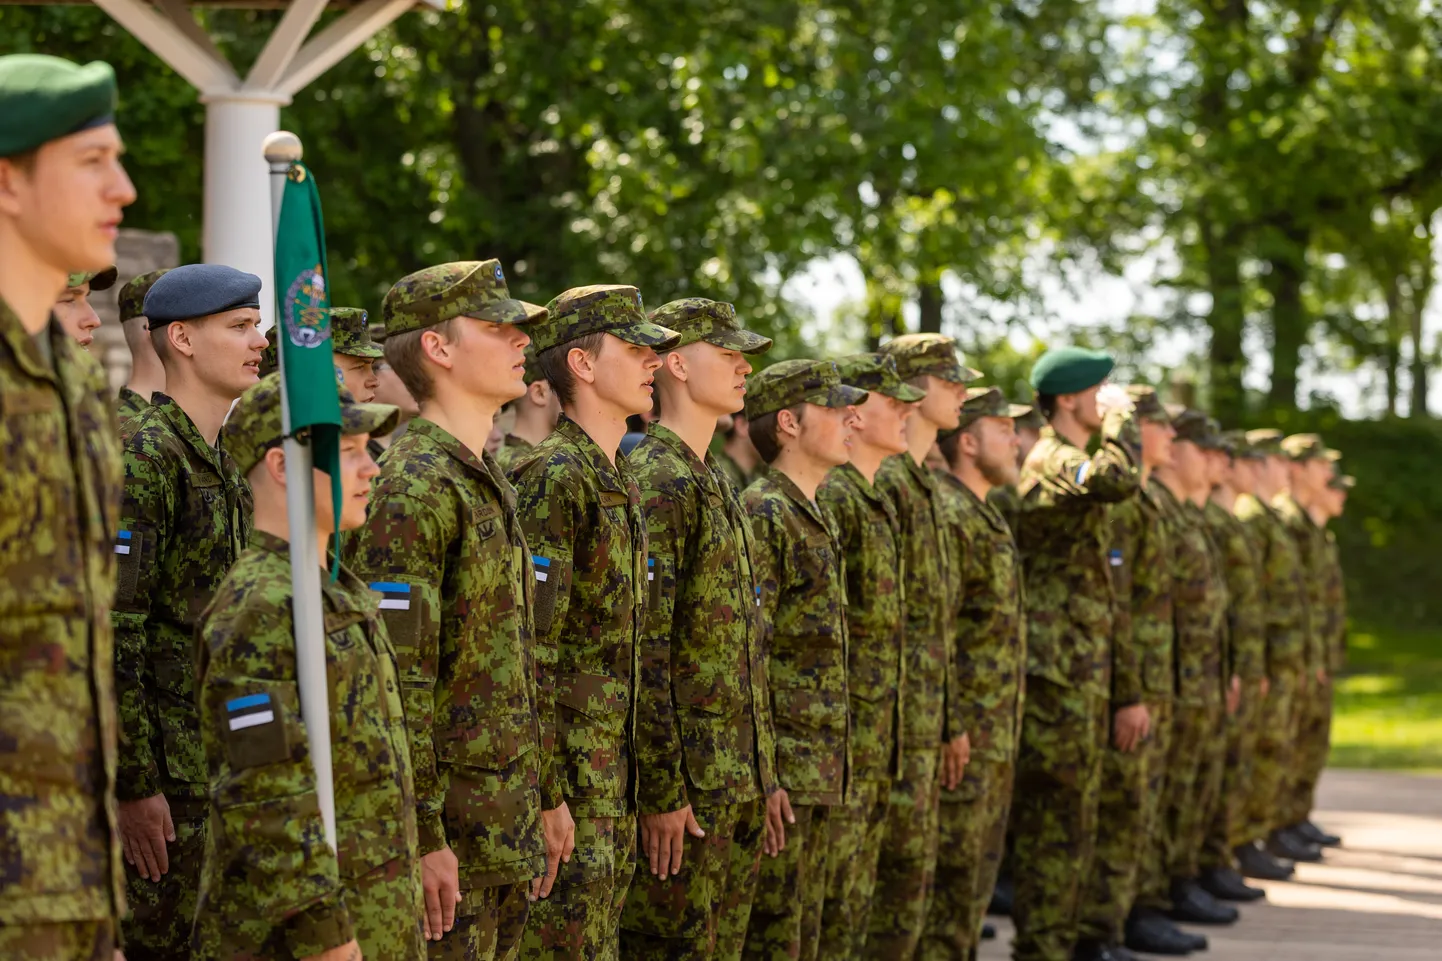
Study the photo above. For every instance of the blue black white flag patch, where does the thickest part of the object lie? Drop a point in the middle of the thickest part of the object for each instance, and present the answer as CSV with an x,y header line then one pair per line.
x,y
122,542
543,567
650,568
758,595
394,596
252,710
1115,557
1082,471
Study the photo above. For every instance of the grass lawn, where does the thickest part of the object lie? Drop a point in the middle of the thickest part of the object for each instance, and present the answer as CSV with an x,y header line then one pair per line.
x,y
1389,702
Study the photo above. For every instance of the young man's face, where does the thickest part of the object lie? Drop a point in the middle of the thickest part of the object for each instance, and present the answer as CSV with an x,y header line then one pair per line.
x,y
67,206
996,444
1221,467
717,376
490,358
77,318
942,403
1085,408
227,349
357,468
360,377
1278,472
624,375
1244,475
880,424
1157,443
391,390
1318,473
1190,463
1026,440
825,434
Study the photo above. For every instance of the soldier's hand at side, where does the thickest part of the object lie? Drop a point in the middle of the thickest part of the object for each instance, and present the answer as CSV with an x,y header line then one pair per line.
x,y
1322,676
350,951
145,826
1234,695
663,839
778,815
955,755
560,831
1130,726
1266,686
441,884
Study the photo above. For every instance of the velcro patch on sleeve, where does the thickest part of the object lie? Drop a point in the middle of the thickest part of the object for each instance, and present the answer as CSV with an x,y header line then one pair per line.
x,y
255,731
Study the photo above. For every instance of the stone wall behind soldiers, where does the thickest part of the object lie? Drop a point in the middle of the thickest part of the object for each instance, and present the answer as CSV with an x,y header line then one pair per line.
x,y
136,252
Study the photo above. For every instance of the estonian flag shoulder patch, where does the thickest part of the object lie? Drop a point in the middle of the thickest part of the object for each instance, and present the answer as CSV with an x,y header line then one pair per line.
x,y
252,710
650,568
542,566
122,542
395,596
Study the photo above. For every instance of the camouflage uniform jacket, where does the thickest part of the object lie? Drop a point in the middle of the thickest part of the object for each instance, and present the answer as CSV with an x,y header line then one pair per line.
x,y
727,467
1007,504
1142,577
803,602
184,520
990,622
1199,601
1335,607
703,726
1246,643
267,865
1282,591
443,545
929,710
1063,532
129,405
1311,546
870,539
512,450
582,519
59,849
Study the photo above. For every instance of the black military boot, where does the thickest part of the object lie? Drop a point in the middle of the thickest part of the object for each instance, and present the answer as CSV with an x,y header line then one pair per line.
x,y
1149,932
1091,950
1190,903
1308,831
988,931
1225,884
1001,898
1285,844
1257,863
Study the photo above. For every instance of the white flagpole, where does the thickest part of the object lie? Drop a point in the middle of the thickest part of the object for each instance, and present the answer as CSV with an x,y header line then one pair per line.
x,y
281,150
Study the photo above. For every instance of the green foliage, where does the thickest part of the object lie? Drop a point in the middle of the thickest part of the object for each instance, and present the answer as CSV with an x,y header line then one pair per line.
x,y
1388,708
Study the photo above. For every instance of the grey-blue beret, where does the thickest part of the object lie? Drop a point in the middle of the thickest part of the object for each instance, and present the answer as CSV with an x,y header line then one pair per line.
x,y
199,290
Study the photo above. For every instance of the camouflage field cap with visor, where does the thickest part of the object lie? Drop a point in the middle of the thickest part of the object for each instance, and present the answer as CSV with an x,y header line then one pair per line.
x,y
97,279
350,333
253,426
1147,404
132,295
1305,447
1342,482
917,355
876,373
1264,442
468,288
988,402
697,319
614,309
1194,426
794,382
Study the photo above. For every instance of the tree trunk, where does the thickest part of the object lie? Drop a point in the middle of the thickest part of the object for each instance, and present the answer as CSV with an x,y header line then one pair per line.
x,y
1290,323
929,300
1419,357
1227,320
1392,355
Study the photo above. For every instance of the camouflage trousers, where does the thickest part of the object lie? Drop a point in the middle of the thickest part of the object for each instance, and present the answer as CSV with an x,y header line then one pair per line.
x,y
857,831
1054,815
1228,826
162,912
1194,781
972,841
384,907
1314,743
702,911
1126,822
786,918
489,925
58,941
1153,886
1272,764
906,870
581,918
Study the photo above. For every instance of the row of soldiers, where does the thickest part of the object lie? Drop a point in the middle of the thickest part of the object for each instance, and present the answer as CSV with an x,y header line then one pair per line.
x,y
589,704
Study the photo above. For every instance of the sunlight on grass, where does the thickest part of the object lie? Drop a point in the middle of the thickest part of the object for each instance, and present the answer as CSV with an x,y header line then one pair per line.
x,y
1389,713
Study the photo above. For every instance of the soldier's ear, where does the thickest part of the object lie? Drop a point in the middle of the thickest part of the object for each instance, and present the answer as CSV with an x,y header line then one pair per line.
x,y
274,465
178,337
675,365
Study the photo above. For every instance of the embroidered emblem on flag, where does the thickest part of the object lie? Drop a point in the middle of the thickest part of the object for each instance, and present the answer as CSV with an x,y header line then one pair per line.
x,y
543,567
1115,556
395,596
249,711
650,568
122,542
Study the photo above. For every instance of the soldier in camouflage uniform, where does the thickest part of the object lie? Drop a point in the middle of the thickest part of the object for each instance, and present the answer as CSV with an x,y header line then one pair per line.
x,y
61,886
581,513
801,424
736,456
869,535
184,521
272,887
990,654
933,745
443,545
1062,533
355,352
147,374
1199,603
536,413
704,740
73,311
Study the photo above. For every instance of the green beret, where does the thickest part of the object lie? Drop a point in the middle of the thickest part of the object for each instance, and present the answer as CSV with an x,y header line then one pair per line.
x,y
793,382
350,334
1069,370
696,318
988,402
253,426
1305,447
473,288
45,98
917,355
614,309
132,295
876,373
97,279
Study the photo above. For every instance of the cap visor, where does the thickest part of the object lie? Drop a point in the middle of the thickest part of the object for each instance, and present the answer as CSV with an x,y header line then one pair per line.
x,y
105,279
744,341
842,395
906,393
1017,410
509,312
643,333
368,418
958,374
368,351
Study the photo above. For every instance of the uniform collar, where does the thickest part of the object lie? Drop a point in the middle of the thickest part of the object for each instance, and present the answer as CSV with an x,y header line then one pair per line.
x,y
268,543
447,441
859,481
980,504
788,487
607,473
22,344
702,470
185,428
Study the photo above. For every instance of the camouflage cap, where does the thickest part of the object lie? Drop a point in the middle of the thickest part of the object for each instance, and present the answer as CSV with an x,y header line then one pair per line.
x,y
1342,482
253,426
350,334
917,355
877,373
533,369
97,279
1265,442
469,288
270,356
988,402
1305,447
132,295
1234,442
378,332
1031,420
1214,438
614,309
1147,404
793,382
1194,426
696,319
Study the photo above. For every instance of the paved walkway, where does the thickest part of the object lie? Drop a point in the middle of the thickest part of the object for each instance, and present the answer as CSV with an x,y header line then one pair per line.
x,y
1378,898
